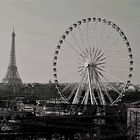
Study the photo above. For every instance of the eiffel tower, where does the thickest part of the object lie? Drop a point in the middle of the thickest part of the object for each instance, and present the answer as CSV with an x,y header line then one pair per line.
x,y
12,76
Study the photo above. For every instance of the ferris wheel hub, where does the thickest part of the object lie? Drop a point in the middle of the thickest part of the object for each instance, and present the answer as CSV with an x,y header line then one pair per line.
x,y
87,64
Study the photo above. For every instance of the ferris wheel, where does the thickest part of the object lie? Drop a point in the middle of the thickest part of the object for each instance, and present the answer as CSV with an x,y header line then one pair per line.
x,y
93,63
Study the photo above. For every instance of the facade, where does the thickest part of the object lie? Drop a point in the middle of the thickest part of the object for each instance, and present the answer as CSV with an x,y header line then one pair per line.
x,y
12,77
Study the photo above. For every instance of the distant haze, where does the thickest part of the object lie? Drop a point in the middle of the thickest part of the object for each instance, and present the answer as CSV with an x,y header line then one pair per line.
x,y
39,24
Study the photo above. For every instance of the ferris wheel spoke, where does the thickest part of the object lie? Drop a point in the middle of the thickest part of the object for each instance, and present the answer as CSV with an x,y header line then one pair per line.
x,y
100,94
77,94
99,69
69,61
120,59
82,73
114,53
100,54
106,39
81,70
93,50
114,77
72,92
82,40
76,43
99,58
99,73
101,63
100,35
104,89
63,98
87,51
112,86
111,46
90,52
87,34
67,53
73,48
81,60
66,87
95,54
81,66
107,94
93,34
109,83
67,76
113,68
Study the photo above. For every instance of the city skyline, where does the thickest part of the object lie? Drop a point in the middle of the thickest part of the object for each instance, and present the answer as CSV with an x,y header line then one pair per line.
x,y
39,25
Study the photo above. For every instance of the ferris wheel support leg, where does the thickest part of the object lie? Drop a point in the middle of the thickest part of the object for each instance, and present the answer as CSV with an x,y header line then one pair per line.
x,y
92,97
85,98
101,96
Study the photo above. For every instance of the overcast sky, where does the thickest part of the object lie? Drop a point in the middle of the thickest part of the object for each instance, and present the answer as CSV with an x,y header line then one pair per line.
x,y
39,25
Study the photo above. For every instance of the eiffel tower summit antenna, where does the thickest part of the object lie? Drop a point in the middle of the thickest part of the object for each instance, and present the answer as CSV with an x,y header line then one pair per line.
x,y
12,77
